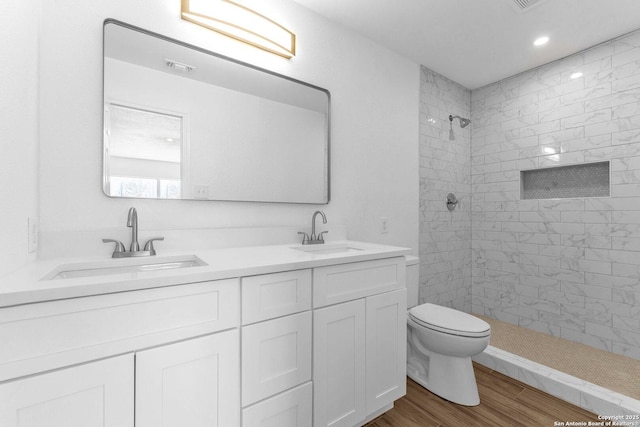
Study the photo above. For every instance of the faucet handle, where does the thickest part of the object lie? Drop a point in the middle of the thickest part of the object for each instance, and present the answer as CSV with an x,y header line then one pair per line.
x,y
149,245
305,237
320,238
119,246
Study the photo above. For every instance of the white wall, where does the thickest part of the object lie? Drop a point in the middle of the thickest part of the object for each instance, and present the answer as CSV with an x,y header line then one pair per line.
x,y
19,129
374,133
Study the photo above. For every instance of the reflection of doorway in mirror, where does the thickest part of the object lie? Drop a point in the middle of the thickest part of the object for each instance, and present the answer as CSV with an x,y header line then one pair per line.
x,y
145,149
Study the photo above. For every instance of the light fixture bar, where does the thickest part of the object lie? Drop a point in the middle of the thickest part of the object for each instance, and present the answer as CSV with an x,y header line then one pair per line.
x,y
241,23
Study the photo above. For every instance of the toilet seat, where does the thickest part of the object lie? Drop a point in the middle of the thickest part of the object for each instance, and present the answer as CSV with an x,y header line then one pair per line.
x,y
449,321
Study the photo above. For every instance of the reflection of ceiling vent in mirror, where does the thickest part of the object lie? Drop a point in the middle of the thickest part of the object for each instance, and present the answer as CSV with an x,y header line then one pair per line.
x,y
525,5
185,68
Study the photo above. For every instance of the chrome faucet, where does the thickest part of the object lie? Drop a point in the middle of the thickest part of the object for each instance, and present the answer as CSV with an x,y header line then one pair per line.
x,y
313,240
132,222
134,249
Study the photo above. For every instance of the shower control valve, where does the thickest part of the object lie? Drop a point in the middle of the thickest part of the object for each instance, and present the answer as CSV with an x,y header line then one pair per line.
x,y
452,201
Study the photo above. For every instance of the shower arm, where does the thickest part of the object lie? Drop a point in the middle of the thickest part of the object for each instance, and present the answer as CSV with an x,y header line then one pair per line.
x,y
463,122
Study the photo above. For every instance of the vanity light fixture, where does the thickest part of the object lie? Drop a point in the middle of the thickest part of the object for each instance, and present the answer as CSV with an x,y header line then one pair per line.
x,y
241,23
541,41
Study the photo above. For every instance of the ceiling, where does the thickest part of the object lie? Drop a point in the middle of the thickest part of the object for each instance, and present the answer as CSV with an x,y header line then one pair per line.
x,y
477,42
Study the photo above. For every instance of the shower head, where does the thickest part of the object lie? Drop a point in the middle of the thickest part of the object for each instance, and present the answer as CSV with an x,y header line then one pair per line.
x,y
463,122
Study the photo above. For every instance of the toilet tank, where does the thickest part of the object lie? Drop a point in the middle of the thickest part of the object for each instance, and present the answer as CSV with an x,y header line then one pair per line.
x,y
413,280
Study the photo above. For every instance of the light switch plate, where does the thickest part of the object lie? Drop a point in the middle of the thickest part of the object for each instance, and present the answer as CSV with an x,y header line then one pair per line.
x,y
384,225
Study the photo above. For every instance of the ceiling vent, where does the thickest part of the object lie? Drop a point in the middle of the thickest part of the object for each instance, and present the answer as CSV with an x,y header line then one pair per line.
x,y
185,68
525,5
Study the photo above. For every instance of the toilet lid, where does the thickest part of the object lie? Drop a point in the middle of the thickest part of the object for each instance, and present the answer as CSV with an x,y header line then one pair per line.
x,y
450,321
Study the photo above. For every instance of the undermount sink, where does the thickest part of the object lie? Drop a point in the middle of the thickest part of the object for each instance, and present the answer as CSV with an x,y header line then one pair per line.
x,y
103,268
330,248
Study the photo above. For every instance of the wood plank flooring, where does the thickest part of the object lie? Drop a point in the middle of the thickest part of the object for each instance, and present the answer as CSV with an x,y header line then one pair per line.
x,y
503,402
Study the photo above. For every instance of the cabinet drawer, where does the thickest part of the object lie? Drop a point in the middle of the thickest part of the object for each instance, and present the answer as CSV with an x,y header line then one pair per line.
x,y
68,331
338,283
276,355
273,295
292,408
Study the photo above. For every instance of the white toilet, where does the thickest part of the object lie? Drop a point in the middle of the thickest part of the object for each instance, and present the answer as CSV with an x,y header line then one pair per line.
x,y
440,344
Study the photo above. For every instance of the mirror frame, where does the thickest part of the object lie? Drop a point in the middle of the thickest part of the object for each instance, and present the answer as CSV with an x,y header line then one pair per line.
x,y
226,58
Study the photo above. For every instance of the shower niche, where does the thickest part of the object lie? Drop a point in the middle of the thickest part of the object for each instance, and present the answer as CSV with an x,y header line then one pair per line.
x,y
563,182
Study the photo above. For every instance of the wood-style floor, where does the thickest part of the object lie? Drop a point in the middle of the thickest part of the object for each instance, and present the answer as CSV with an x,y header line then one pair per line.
x,y
503,402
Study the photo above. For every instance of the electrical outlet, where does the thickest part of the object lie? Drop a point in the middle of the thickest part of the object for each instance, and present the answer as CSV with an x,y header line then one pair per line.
x,y
201,191
32,234
384,225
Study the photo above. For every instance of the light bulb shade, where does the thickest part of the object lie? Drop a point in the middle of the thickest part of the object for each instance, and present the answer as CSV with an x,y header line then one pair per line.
x,y
241,23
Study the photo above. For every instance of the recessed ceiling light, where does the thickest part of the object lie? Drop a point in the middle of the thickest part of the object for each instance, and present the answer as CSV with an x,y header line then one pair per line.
x,y
541,41
576,75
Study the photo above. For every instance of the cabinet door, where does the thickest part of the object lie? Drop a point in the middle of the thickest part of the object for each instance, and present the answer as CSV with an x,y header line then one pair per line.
x,y
339,364
193,383
98,394
386,349
276,355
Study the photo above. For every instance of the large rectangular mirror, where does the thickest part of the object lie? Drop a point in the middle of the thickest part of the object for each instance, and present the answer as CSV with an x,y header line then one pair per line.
x,y
184,123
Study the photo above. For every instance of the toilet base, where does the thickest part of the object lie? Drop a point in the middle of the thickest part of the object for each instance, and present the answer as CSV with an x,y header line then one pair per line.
x,y
451,378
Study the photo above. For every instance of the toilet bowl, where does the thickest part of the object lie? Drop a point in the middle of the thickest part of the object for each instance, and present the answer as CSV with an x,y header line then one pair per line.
x,y
440,344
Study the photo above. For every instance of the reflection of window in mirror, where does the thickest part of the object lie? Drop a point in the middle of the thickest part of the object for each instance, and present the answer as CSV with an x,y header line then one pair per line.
x,y
144,152
128,186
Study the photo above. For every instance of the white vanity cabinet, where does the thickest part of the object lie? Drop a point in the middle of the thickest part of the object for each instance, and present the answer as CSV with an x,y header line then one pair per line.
x,y
359,345
314,338
78,362
276,349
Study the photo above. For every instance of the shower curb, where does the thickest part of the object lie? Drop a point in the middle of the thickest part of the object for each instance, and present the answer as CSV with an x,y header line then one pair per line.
x,y
574,390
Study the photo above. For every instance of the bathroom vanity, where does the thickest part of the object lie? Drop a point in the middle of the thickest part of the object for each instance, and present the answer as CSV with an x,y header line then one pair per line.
x,y
274,335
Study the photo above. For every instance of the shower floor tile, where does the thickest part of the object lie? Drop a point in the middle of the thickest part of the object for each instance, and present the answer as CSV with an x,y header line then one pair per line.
x,y
608,370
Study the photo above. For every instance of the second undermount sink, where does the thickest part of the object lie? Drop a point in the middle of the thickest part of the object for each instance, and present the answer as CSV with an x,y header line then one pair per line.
x,y
329,248
102,268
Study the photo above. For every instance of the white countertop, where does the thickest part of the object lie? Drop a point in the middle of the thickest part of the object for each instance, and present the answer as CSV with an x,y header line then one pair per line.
x,y
27,285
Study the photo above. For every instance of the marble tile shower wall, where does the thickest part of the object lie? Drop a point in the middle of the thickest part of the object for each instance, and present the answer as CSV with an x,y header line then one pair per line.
x,y
445,237
568,267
